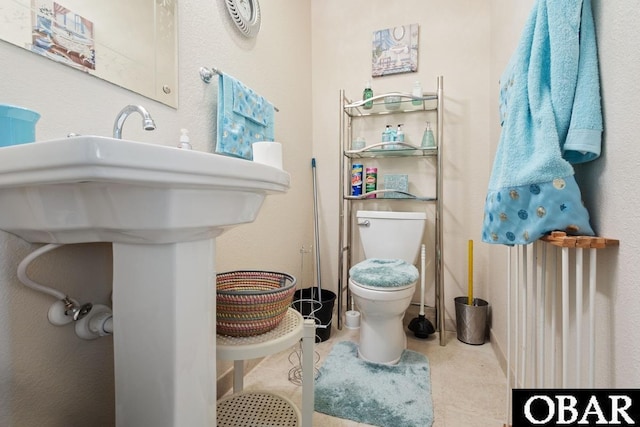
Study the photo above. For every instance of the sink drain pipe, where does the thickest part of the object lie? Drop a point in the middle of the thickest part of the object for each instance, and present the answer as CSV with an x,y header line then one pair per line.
x,y
92,321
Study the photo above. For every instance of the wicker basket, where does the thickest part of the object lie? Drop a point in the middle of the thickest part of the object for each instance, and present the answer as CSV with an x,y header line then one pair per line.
x,y
252,302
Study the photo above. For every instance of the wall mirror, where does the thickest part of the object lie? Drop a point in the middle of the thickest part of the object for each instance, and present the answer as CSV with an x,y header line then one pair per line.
x,y
131,43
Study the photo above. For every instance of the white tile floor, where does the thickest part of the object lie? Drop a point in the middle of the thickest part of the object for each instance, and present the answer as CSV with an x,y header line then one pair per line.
x,y
468,385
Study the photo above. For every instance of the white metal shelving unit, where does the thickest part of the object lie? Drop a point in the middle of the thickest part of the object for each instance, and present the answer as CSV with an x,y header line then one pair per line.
x,y
429,103
251,408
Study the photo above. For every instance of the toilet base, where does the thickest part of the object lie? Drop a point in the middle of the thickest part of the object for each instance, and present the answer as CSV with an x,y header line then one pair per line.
x,y
393,362
382,339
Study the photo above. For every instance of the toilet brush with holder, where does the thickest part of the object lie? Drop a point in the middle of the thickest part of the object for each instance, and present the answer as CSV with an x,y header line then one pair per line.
x,y
421,326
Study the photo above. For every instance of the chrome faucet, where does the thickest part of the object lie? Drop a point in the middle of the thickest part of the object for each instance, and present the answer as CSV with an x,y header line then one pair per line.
x,y
147,121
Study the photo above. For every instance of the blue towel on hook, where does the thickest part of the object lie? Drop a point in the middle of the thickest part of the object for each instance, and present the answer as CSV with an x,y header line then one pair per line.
x,y
584,138
244,117
551,116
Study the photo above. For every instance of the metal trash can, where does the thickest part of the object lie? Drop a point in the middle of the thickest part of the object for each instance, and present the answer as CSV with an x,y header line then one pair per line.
x,y
471,320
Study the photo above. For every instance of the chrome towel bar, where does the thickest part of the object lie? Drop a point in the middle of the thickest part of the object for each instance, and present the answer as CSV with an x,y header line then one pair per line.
x,y
206,74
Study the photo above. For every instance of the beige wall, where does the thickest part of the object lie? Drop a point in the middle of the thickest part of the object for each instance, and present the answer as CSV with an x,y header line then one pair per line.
x,y
610,185
48,376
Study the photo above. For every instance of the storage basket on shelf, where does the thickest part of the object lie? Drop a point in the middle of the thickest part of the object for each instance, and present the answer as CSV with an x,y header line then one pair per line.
x,y
252,302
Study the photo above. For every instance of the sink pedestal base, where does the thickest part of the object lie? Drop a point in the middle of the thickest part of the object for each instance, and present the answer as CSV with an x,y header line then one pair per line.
x,y
164,305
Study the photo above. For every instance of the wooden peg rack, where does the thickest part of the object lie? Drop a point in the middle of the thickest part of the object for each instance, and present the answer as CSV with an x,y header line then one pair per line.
x,y
560,238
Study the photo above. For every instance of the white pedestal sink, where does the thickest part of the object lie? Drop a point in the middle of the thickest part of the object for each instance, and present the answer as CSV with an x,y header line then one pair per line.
x,y
162,207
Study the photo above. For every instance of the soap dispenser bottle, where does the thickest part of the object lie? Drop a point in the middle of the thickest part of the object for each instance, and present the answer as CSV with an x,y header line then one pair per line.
x,y
184,140
386,134
367,94
400,134
428,140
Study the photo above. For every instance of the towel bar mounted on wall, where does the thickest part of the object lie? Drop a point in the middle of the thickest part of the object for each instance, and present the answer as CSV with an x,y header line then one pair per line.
x,y
206,74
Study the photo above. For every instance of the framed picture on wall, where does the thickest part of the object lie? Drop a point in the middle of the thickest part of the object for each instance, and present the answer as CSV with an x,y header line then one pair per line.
x,y
63,35
395,50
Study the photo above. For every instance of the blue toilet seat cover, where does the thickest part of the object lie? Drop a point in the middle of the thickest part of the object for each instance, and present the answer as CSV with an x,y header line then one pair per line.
x,y
384,273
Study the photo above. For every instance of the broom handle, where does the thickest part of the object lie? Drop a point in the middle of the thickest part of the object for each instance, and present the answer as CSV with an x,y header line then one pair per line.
x,y
317,233
470,294
423,256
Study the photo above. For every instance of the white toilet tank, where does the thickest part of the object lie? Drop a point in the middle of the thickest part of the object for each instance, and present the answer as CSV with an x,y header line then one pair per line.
x,y
386,234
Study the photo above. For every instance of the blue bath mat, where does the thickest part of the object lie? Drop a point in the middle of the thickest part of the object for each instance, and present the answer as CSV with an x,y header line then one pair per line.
x,y
381,395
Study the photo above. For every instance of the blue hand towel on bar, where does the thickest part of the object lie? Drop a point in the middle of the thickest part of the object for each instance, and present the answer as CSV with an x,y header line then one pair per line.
x,y
551,116
244,117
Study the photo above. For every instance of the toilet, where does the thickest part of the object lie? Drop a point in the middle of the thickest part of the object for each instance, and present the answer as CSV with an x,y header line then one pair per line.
x,y
383,285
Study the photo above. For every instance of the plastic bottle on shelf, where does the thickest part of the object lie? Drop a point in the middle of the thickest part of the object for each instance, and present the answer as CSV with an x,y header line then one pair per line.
x,y
356,179
386,134
391,137
428,140
367,94
371,181
417,92
400,134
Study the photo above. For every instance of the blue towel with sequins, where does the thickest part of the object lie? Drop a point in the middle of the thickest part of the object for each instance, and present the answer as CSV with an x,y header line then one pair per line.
x,y
244,117
551,117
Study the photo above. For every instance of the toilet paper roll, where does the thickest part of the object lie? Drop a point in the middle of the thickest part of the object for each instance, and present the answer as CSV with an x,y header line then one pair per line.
x,y
352,319
268,153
